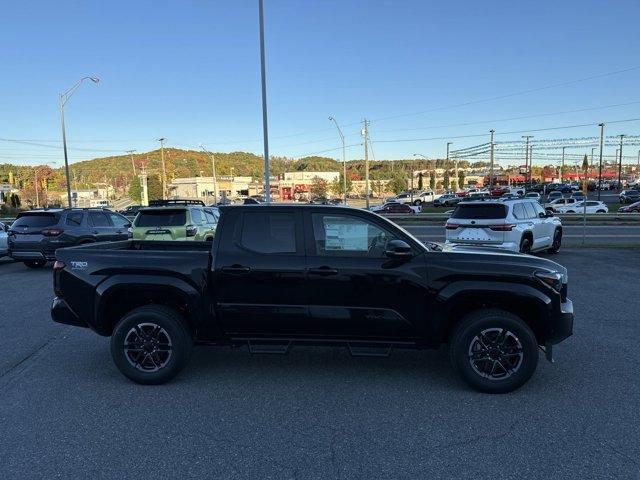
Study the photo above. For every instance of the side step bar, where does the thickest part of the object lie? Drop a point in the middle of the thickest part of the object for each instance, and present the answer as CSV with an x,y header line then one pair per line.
x,y
268,348
369,350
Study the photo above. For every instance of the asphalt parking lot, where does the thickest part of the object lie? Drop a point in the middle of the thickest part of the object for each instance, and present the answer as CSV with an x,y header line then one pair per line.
x,y
66,411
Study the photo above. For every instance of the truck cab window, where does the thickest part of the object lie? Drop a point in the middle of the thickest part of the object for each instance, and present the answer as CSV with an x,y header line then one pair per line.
x,y
268,233
347,236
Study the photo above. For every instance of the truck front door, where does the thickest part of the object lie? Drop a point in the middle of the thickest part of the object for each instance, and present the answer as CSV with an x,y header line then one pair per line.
x,y
354,289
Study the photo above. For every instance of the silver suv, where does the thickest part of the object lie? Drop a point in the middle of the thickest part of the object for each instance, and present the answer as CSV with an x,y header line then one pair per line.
x,y
515,225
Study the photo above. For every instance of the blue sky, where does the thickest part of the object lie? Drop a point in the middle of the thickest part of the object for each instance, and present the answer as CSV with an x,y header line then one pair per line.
x,y
189,71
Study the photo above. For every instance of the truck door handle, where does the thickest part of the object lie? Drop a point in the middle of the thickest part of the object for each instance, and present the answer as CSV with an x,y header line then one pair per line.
x,y
325,271
236,269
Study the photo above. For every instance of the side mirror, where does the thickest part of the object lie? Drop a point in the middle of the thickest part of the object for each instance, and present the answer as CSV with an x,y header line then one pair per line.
x,y
549,214
398,249
543,214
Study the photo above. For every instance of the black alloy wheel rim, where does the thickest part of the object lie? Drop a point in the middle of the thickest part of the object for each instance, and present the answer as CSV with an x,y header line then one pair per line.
x,y
148,347
495,353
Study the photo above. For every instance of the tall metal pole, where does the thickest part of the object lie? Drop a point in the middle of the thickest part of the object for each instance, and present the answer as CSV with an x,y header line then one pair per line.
x,y
133,164
164,170
491,168
213,171
35,172
562,166
620,164
601,125
64,148
365,132
592,156
63,99
344,160
265,131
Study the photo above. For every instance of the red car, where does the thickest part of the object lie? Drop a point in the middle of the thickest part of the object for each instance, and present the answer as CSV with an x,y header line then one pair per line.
x,y
499,191
633,208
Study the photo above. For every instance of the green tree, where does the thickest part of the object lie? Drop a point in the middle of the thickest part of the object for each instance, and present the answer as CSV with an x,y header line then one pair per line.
x,y
454,185
446,179
460,178
135,191
432,181
319,187
398,184
420,181
337,186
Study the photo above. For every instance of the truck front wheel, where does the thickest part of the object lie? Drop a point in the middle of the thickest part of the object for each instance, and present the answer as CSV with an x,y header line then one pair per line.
x,y
151,344
494,351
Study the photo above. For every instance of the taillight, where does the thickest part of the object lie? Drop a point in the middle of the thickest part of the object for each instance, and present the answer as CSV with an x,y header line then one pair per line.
x,y
501,228
191,230
52,232
451,226
57,269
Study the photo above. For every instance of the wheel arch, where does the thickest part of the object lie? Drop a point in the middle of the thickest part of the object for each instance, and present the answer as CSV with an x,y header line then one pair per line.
x,y
523,301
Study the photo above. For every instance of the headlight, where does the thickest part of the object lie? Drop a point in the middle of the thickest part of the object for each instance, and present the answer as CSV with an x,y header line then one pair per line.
x,y
552,279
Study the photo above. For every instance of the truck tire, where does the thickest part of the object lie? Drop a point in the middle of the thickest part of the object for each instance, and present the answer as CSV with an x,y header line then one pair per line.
x,y
494,351
557,242
151,344
525,244
35,263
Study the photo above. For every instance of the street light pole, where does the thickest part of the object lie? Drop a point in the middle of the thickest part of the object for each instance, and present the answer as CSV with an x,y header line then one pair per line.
x,y
365,133
562,166
164,170
592,156
601,125
64,97
620,164
344,159
265,131
526,156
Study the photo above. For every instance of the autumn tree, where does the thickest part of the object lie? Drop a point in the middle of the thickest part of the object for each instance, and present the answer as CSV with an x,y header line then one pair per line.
x,y
319,187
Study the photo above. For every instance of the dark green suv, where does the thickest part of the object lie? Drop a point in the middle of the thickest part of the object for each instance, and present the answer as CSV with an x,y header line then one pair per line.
x,y
176,220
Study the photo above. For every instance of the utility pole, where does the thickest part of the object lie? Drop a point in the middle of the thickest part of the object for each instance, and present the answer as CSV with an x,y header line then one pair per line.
x,y
213,171
620,164
601,125
530,166
592,156
526,155
35,172
491,167
164,170
365,133
562,166
448,165
265,130
133,164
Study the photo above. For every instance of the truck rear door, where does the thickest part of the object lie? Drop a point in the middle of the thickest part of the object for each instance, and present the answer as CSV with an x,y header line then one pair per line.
x,y
259,272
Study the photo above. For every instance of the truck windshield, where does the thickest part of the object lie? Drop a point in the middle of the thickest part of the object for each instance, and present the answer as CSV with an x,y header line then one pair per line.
x,y
480,211
162,218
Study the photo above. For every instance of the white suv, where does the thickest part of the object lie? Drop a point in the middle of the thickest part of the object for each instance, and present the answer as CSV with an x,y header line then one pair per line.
x,y
417,198
515,225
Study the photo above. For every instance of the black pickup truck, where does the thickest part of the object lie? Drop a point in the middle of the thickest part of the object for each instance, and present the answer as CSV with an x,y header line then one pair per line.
x,y
277,276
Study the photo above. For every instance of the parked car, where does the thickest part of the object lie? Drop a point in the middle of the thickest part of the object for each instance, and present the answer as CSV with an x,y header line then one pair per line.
x,y
36,235
130,211
554,195
4,240
447,199
509,196
559,202
417,198
578,195
559,187
629,196
283,275
395,207
499,190
176,221
593,206
516,225
533,195
633,208
481,195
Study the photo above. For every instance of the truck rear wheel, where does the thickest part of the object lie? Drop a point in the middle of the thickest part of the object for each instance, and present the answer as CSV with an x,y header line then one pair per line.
x,y
151,344
494,351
